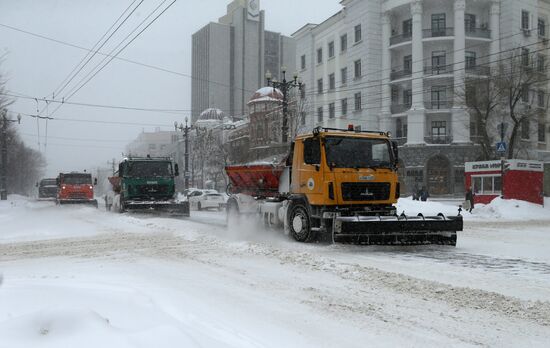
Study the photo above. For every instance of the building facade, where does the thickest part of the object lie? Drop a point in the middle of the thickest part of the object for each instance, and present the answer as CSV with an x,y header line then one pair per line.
x,y
230,59
155,143
398,65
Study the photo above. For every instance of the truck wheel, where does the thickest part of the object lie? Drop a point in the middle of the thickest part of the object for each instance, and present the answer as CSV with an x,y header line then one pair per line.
x,y
299,223
199,206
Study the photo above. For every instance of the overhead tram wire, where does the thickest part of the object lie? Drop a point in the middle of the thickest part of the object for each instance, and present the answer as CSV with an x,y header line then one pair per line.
x,y
95,50
205,80
320,103
73,92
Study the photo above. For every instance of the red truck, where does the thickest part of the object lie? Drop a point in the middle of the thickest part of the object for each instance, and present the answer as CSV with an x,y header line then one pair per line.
x,y
76,188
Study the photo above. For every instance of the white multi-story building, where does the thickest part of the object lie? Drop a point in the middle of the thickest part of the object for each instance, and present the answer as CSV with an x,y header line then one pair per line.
x,y
397,65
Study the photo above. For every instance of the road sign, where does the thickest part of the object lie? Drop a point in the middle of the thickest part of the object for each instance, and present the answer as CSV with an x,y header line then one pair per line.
x,y
501,147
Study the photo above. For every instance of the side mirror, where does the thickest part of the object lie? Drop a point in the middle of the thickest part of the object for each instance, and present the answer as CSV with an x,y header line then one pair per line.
x,y
95,181
395,152
176,169
36,185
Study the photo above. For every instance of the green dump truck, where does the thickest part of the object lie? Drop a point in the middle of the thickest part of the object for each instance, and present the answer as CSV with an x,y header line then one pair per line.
x,y
146,184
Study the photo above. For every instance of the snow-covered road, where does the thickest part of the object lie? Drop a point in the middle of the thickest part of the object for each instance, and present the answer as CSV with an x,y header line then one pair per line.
x,y
76,276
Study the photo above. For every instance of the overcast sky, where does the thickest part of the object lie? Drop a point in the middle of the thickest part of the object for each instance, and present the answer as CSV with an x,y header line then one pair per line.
x,y
36,67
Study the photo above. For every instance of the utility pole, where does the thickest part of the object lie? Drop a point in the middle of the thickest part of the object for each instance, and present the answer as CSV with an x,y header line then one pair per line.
x,y
284,86
113,165
185,129
4,171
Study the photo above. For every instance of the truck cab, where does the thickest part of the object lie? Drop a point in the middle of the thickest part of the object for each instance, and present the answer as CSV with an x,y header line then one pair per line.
x,y
76,188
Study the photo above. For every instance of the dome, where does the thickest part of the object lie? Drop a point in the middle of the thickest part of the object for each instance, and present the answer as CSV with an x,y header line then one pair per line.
x,y
267,94
212,114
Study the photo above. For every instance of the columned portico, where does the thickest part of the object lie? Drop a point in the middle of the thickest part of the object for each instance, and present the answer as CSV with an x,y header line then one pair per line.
x,y
494,13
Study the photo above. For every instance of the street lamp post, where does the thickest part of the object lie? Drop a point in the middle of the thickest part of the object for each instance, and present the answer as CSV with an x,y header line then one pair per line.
x,y
185,129
4,171
284,86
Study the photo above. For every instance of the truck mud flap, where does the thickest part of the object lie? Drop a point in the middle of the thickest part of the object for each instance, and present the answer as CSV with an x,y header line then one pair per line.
x,y
173,209
397,230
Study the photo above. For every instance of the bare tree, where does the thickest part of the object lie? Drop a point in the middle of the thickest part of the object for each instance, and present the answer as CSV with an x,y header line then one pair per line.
x,y
519,79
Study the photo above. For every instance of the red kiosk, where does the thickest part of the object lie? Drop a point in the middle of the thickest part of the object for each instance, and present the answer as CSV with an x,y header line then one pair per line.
x,y
511,179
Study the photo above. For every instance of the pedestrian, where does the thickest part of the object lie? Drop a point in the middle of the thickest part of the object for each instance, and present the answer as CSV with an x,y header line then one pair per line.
x,y
470,198
424,194
416,194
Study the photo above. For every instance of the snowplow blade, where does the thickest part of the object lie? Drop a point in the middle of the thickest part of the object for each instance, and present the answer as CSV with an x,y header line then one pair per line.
x,y
397,230
92,202
169,208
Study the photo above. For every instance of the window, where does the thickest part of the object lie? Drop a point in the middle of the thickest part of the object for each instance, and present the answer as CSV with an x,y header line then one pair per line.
x,y
152,146
319,55
469,22
357,99
542,27
541,98
438,24
407,63
525,56
525,131
439,97
541,63
320,114
398,128
320,86
344,75
439,61
524,20
525,94
331,49
470,60
343,43
357,65
303,62
358,33
344,106
312,151
331,110
331,82
302,118
394,94
407,26
486,184
407,97
542,133
439,130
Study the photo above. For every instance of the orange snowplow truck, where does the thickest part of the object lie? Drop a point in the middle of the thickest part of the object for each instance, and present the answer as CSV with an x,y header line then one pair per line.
x,y
336,185
76,188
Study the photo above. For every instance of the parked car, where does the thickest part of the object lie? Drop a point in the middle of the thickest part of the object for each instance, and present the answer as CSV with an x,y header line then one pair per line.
x,y
205,199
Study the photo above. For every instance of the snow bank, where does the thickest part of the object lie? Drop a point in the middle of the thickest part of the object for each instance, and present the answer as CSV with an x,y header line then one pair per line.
x,y
499,209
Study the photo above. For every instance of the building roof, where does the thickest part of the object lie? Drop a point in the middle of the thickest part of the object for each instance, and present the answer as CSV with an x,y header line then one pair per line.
x,y
212,114
266,94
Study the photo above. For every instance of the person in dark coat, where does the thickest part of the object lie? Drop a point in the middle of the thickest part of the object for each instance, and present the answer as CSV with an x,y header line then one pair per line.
x,y
416,194
424,194
470,198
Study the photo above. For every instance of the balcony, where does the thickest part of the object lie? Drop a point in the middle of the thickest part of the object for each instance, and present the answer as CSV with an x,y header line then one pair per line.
x,y
397,39
478,70
439,104
437,32
438,139
399,108
482,33
396,75
438,70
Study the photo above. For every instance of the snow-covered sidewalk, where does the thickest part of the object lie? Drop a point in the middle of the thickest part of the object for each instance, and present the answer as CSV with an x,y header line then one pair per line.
x,y
77,276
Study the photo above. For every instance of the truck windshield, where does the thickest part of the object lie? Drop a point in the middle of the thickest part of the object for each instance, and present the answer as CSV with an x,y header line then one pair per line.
x,y
347,152
147,169
77,179
48,182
